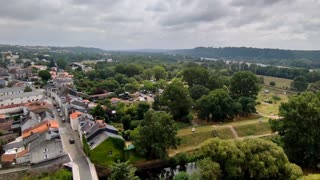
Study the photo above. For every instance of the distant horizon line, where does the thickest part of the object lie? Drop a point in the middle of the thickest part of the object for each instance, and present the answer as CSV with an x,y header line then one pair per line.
x,y
154,49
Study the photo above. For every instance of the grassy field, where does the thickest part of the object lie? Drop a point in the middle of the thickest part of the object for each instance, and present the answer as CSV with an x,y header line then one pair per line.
x,y
267,108
197,138
280,82
253,129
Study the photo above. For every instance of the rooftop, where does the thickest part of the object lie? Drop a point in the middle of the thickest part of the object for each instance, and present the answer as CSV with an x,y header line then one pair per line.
x,y
75,115
41,127
33,93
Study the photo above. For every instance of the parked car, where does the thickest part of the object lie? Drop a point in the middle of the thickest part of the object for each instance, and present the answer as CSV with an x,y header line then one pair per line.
x,y
58,109
63,120
71,141
61,114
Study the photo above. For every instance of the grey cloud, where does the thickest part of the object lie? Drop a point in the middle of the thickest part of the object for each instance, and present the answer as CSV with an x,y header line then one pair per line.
x,y
190,13
125,24
251,3
26,9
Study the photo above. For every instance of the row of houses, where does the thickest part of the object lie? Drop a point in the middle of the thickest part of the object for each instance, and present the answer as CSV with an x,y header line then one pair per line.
x,y
39,139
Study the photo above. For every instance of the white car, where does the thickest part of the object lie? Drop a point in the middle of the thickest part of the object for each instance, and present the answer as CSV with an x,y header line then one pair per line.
x,y
58,110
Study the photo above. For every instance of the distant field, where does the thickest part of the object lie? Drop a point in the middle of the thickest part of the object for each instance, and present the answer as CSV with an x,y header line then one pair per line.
x,y
280,82
253,129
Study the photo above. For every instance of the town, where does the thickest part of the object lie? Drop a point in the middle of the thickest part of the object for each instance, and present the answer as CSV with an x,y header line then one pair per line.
x,y
71,118
160,90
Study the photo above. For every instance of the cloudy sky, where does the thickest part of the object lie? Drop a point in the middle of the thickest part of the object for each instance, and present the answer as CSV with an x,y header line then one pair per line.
x,y
166,24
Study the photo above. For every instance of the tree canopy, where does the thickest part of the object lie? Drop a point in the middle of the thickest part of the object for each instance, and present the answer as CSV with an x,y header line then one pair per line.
x,y
217,105
176,99
155,135
298,128
247,159
44,74
244,83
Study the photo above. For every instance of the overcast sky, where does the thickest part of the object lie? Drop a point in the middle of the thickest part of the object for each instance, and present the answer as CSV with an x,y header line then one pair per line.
x,y
165,24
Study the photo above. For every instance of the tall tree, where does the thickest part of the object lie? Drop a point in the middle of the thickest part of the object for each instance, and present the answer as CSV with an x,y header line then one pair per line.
x,y
217,105
300,83
298,128
195,75
45,75
123,171
197,91
155,135
98,112
244,83
176,99
159,72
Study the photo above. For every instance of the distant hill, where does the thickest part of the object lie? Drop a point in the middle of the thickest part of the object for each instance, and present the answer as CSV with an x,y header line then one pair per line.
x,y
297,58
250,53
54,49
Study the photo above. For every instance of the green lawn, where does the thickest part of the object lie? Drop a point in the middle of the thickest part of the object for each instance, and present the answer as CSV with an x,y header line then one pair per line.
x,y
100,155
280,82
253,129
197,138
61,174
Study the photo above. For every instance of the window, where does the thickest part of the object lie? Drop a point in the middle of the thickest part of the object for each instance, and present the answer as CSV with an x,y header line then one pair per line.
x,y
45,150
45,156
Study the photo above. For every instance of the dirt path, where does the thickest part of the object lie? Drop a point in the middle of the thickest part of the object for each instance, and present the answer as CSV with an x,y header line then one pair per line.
x,y
234,132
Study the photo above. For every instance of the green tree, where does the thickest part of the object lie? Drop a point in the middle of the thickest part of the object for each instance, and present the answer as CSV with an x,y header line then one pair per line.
x,y
62,63
209,169
272,83
218,105
148,73
300,115
155,135
244,83
159,73
142,108
181,176
176,99
98,112
27,89
248,105
300,83
197,91
126,122
249,159
195,75
45,75
149,86
123,171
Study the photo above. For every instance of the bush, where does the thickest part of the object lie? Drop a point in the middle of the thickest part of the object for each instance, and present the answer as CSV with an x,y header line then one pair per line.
x,y
272,83
181,176
276,98
118,143
134,124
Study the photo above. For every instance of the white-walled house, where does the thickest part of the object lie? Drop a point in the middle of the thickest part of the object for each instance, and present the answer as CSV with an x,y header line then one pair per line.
x,y
13,90
77,117
20,98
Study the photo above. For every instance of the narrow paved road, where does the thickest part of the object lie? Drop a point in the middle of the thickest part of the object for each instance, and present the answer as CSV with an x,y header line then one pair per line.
x,y
75,149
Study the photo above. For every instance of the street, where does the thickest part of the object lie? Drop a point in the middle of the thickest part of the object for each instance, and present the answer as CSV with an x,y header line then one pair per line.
x,y
75,150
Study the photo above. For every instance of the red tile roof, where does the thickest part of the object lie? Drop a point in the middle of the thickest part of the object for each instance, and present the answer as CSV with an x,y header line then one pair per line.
x,y
41,127
8,157
75,115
